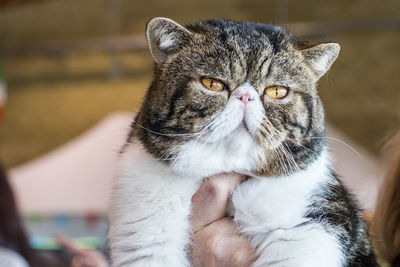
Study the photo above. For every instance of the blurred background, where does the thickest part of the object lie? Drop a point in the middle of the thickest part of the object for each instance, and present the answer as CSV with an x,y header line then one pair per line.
x,y
66,65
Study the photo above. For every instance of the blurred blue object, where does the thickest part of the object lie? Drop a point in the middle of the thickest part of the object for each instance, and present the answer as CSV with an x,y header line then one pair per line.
x,y
89,231
61,219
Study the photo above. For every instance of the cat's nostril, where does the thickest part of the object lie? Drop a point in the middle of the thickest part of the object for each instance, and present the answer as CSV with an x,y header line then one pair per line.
x,y
244,98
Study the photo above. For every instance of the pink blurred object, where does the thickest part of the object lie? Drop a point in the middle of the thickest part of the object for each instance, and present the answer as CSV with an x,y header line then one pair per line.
x,y
75,178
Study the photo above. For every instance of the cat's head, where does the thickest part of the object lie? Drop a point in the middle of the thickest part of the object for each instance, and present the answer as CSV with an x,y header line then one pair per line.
x,y
233,94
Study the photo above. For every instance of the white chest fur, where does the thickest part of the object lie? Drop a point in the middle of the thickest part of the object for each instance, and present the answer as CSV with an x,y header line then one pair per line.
x,y
271,212
281,200
149,215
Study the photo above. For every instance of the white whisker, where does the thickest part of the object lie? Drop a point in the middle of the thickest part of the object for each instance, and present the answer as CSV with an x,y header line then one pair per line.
x,y
170,135
333,139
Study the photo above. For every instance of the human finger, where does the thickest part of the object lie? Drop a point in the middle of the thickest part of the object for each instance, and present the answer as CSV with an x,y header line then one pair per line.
x,y
69,245
219,244
210,201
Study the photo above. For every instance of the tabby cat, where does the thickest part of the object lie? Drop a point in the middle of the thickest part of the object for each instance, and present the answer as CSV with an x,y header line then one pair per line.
x,y
234,97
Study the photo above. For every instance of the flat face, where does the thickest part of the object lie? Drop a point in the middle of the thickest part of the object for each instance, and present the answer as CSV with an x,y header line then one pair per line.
x,y
234,86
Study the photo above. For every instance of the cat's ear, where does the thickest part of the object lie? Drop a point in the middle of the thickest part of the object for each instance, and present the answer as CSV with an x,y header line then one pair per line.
x,y
320,57
165,37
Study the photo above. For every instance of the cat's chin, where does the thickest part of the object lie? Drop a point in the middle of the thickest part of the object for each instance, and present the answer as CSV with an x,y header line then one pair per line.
x,y
242,129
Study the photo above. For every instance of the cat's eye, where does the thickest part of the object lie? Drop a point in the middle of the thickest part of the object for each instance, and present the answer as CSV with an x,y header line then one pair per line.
x,y
276,92
213,84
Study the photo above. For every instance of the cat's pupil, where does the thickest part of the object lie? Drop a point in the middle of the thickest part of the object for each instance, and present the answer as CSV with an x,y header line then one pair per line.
x,y
211,84
276,91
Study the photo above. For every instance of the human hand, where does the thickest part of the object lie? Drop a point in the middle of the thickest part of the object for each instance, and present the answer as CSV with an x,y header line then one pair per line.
x,y
216,241
82,257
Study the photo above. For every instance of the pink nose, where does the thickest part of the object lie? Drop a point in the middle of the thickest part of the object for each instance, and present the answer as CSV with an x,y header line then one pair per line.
x,y
245,98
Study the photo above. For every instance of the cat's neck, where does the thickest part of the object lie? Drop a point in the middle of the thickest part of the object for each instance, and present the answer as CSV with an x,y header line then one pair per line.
x,y
204,161
316,172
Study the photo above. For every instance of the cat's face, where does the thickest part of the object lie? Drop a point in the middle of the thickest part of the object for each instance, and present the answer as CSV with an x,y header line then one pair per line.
x,y
238,92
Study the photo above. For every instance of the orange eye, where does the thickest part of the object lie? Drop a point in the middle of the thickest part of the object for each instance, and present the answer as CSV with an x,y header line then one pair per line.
x,y
213,84
276,92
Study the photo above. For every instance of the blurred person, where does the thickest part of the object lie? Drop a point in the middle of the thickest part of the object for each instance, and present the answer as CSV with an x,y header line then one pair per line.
x,y
14,246
387,215
15,250
82,257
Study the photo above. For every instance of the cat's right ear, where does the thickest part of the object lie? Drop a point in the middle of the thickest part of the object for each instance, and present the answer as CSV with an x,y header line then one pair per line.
x,y
165,37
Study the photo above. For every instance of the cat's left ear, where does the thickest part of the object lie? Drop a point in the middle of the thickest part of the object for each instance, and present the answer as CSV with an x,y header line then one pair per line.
x,y
165,37
320,57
